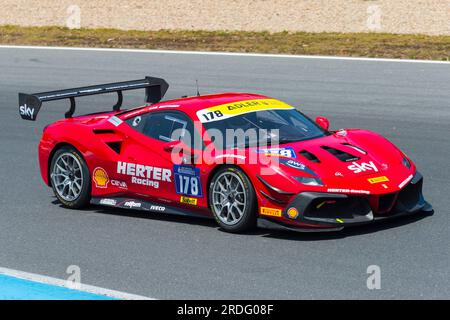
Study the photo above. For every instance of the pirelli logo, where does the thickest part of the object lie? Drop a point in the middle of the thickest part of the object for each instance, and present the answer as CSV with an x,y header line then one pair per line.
x,y
378,179
188,200
270,212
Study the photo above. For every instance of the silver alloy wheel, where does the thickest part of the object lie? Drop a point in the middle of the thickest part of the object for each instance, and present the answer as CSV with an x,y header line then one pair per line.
x,y
229,198
67,177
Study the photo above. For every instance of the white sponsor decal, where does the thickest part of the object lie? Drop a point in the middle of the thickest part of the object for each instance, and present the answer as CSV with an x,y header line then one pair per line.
x,y
164,106
296,165
136,121
144,175
26,111
157,208
349,191
132,204
401,185
115,121
362,167
108,202
119,184
230,156
145,182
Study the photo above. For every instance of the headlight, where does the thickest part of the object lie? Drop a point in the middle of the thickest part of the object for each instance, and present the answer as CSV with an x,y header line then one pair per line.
x,y
406,163
309,181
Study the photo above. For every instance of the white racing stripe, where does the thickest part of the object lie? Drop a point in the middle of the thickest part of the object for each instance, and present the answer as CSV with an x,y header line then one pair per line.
x,y
66,284
233,54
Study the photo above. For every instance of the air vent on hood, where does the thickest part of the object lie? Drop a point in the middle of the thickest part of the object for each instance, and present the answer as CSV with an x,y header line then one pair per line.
x,y
116,146
308,155
341,155
354,147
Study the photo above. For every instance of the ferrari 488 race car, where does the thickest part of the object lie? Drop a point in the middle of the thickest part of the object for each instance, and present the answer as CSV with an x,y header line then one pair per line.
x,y
244,159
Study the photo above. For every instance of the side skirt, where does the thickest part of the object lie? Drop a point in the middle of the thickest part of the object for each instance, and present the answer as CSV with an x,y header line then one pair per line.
x,y
143,205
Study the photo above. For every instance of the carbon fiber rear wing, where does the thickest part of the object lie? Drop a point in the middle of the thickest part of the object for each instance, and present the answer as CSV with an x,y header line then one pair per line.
x,y
30,104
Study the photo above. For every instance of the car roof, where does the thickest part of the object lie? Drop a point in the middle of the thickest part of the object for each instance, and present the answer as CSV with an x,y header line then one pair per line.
x,y
190,105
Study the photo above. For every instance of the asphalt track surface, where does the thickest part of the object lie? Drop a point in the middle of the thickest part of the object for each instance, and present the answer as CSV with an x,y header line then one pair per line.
x,y
175,257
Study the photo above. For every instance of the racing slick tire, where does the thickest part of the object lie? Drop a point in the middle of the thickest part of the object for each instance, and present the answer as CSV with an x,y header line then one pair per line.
x,y
232,200
70,178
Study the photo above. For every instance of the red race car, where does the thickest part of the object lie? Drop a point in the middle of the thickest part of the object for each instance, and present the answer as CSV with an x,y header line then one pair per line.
x,y
244,159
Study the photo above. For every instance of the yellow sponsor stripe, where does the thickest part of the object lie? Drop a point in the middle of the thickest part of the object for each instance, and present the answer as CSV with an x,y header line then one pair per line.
x,y
229,110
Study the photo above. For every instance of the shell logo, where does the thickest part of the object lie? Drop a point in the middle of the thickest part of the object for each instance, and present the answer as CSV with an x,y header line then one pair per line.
x,y
100,177
292,213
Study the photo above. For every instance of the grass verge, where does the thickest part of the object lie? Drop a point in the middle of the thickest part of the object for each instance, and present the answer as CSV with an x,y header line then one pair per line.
x,y
376,45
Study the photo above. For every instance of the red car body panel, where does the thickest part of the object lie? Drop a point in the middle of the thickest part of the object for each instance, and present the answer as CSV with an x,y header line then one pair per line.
x,y
378,171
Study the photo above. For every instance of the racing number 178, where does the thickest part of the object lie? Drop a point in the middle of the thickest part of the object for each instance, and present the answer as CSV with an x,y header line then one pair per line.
x,y
212,115
188,185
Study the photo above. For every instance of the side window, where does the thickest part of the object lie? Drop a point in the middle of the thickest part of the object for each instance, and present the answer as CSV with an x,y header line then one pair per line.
x,y
169,126
161,125
137,123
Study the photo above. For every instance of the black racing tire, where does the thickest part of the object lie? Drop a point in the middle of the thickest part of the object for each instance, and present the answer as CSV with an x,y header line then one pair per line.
x,y
80,195
233,217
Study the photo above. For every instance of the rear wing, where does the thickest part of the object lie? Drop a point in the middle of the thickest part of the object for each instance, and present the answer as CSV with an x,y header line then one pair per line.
x,y
30,104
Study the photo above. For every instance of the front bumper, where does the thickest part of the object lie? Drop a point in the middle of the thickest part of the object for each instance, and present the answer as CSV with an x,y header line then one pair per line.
x,y
332,212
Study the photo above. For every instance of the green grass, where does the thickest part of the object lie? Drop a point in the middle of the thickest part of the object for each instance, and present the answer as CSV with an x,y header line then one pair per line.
x,y
379,45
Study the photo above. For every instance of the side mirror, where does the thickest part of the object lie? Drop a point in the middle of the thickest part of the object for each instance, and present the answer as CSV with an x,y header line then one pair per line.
x,y
323,122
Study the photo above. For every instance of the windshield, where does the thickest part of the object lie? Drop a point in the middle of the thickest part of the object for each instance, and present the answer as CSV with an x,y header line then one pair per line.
x,y
264,127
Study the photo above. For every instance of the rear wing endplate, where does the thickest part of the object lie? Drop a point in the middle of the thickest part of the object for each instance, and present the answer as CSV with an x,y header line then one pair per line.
x,y
30,104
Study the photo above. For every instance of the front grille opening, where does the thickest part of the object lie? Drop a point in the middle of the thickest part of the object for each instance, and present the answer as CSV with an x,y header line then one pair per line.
x,y
411,194
385,202
341,155
115,146
346,208
308,155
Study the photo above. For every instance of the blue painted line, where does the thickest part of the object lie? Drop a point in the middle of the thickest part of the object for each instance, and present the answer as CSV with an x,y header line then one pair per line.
x,y
12,288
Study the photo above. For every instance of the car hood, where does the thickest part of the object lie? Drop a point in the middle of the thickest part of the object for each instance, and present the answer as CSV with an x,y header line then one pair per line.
x,y
346,159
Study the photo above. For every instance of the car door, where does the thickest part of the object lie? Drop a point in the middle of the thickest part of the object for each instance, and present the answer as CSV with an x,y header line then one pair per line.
x,y
146,165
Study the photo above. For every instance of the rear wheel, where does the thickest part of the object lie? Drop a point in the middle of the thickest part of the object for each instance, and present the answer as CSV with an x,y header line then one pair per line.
x,y
233,200
70,178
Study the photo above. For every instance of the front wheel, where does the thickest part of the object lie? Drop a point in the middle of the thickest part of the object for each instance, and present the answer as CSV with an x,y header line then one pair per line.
x,y
232,200
70,178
